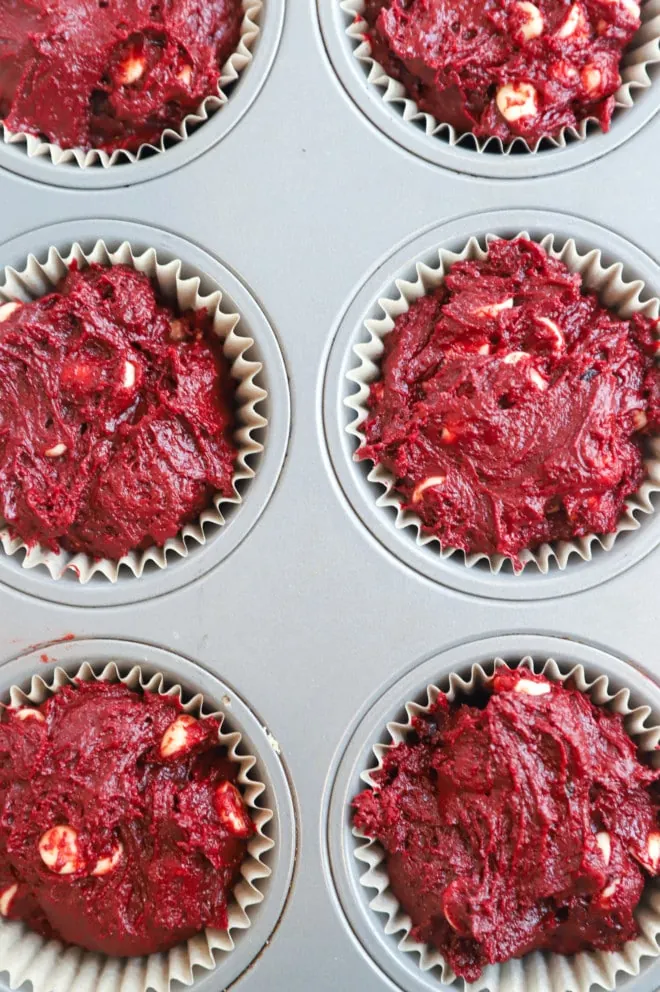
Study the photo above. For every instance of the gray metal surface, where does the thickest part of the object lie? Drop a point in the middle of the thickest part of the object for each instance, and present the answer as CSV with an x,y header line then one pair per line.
x,y
311,618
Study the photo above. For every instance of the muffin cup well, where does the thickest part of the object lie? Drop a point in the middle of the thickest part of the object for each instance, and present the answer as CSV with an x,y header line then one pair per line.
x,y
616,293
37,279
232,69
536,972
638,60
50,965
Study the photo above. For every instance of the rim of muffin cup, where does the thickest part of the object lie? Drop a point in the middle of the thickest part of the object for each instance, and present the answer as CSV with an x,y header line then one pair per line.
x,y
26,956
622,296
639,60
183,293
539,971
238,61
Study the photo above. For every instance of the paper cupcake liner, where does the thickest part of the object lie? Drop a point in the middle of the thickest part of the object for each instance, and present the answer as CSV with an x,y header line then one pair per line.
x,y
39,278
54,967
642,54
538,971
233,67
615,292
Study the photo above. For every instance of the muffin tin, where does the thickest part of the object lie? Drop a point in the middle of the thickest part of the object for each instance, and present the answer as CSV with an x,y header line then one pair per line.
x,y
309,610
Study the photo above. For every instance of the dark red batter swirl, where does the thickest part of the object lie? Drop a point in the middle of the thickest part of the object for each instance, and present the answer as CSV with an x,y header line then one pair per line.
x,y
116,416
111,74
512,405
519,821
505,68
121,828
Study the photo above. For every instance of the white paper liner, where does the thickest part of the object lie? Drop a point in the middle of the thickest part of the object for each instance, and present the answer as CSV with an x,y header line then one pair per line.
x,y
37,279
639,58
236,63
54,967
622,297
538,971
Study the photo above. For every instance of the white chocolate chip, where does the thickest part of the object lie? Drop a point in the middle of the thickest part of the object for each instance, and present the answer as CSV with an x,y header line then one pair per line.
x,y
177,330
58,849
484,349
530,688
433,480
515,101
56,450
592,79
129,375
533,24
492,309
105,865
610,889
185,75
514,357
231,810
178,738
605,845
132,70
538,380
574,22
564,72
7,309
6,899
653,848
640,420
555,330
26,713
447,436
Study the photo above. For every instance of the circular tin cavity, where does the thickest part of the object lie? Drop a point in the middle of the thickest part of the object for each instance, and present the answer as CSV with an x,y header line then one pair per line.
x,y
282,829
530,584
239,518
369,728
242,95
462,157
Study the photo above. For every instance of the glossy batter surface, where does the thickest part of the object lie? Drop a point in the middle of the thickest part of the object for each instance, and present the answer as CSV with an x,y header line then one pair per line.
x,y
110,73
512,405
116,416
523,822
505,68
159,828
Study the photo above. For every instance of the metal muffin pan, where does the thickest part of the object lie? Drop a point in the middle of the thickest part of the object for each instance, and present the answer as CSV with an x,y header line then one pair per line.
x,y
311,619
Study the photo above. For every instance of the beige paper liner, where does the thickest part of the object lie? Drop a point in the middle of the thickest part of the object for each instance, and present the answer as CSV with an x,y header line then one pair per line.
x,y
52,966
36,147
642,53
538,971
619,295
37,279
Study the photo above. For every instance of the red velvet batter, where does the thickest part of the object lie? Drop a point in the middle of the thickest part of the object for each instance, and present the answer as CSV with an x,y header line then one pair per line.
x,y
507,428
522,822
95,764
116,416
111,73
453,56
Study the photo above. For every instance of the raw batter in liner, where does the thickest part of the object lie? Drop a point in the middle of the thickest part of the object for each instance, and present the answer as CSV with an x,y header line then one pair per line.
x,y
505,68
121,827
111,74
519,821
512,405
116,416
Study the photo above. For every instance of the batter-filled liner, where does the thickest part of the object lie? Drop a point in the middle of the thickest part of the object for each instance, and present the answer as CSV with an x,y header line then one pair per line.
x,y
616,293
50,965
234,66
638,61
536,972
37,279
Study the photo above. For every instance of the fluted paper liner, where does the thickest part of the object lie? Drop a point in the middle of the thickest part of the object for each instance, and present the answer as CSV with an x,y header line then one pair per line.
x,y
54,967
538,971
638,59
236,63
37,279
616,293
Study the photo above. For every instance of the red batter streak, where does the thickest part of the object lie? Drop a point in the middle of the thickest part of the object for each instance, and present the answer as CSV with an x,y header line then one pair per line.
x,y
115,416
511,404
455,56
111,73
523,822
158,839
